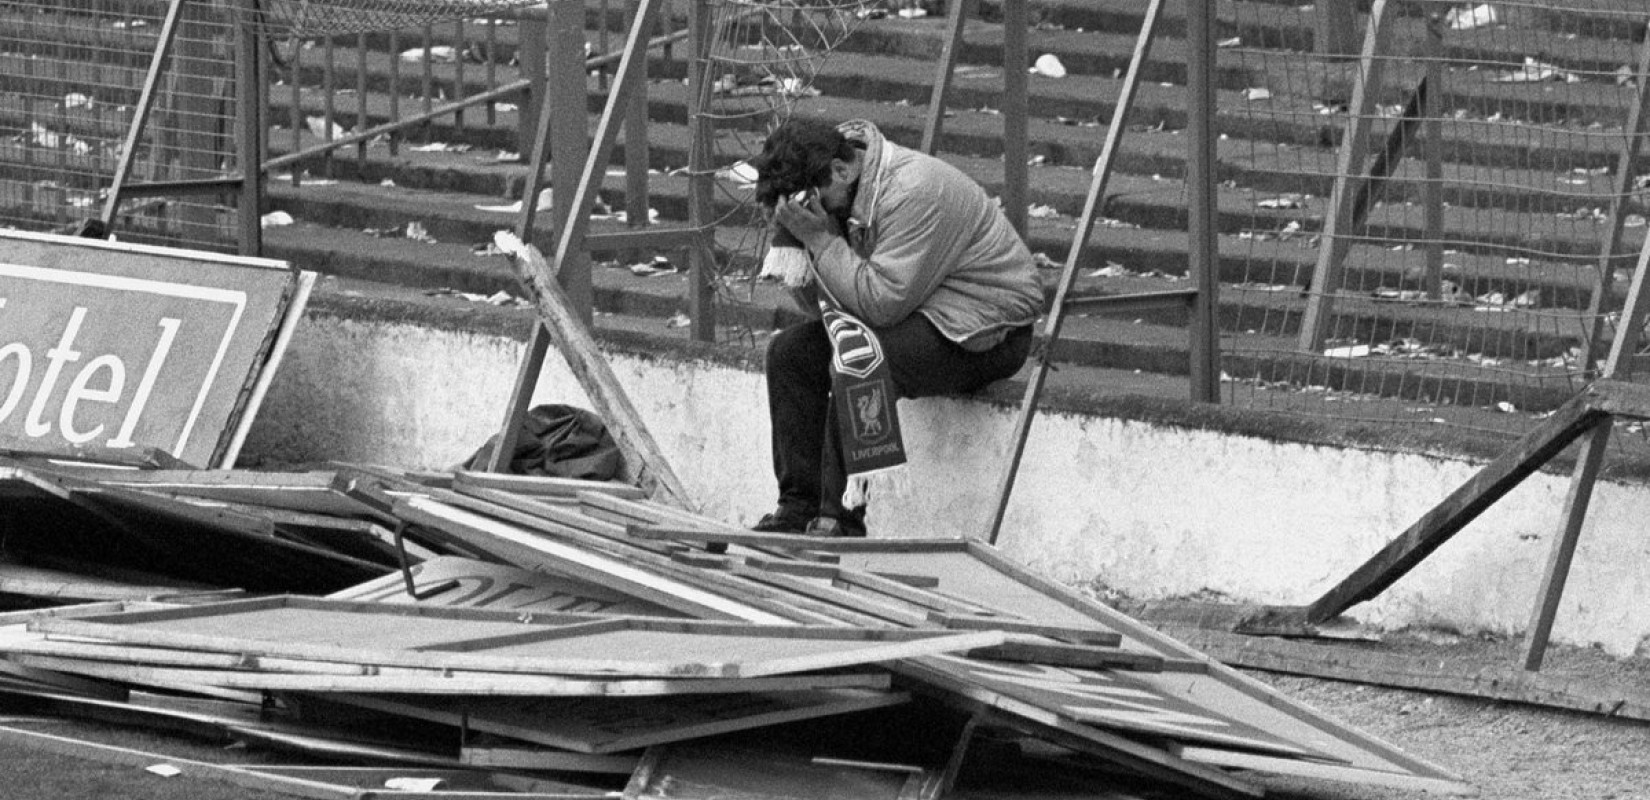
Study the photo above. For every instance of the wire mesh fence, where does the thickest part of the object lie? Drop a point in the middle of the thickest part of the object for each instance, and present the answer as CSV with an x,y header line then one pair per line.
x,y
1448,223
71,75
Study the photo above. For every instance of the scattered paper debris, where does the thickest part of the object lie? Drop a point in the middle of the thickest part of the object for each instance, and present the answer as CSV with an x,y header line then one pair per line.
x,y
1049,66
1349,351
441,147
437,54
417,233
1506,407
660,265
679,320
319,127
1257,93
1466,19
275,219
1040,211
1535,71
415,784
1283,201
77,100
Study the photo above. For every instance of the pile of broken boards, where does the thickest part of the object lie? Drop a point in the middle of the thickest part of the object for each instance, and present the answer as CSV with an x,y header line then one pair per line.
x,y
563,638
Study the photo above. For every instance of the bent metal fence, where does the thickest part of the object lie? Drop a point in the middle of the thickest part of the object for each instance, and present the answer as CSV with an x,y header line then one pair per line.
x,y
1443,214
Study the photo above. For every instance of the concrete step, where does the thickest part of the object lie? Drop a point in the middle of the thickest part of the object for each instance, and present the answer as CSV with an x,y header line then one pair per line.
x,y
1154,206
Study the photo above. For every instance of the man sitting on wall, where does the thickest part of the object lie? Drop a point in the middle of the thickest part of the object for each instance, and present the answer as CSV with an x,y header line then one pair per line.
x,y
912,263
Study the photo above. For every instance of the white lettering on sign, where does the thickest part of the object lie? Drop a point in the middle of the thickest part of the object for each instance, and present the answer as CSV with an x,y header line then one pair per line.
x,y
63,391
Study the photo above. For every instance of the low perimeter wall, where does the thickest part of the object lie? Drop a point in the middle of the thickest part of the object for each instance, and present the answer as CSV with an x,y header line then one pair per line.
x,y
1152,510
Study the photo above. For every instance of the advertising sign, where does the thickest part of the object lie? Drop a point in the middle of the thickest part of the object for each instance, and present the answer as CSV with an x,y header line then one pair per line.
x,y
109,346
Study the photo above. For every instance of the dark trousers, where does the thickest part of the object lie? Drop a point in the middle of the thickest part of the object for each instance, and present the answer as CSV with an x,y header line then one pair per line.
x,y
807,457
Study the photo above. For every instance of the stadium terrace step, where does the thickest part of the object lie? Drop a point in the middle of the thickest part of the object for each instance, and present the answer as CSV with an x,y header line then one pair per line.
x,y
1527,244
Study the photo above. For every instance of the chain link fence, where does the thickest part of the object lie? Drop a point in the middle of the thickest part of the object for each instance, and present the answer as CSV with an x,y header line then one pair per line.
x,y
71,75
1449,222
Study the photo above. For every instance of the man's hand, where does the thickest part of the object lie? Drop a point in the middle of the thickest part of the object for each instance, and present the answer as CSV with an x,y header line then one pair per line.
x,y
806,219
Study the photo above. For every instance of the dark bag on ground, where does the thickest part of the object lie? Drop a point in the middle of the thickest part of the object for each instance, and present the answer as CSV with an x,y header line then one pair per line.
x,y
560,442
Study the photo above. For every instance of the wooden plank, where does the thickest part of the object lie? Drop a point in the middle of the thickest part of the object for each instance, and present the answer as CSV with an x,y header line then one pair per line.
x,y
463,639
530,548
1117,701
788,541
538,758
1058,654
985,576
59,585
600,726
1151,762
1618,398
1076,635
652,472
468,583
1557,570
448,683
1240,760
1461,507
541,486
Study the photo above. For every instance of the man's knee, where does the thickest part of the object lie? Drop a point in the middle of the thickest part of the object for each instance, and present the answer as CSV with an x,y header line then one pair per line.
x,y
798,350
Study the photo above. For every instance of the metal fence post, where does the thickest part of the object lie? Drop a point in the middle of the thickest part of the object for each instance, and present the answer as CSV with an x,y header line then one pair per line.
x,y
530,59
1201,186
251,131
701,264
1335,32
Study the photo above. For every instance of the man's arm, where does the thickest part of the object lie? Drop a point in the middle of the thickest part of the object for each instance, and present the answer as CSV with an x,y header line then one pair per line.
x,y
921,235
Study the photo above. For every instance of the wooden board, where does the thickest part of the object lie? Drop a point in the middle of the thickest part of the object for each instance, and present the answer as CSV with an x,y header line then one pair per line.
x,y
525,547
550,644
449,682
981,575
606,726
541,759
468,583
155,346
59,585
539,485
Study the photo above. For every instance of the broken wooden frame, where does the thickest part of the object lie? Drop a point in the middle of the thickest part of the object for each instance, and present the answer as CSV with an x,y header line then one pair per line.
x,y
566,319
595,726
1025,695
752,585
448,638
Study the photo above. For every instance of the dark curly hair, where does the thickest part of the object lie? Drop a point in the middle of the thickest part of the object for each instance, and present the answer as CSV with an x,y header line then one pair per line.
x,y
796,157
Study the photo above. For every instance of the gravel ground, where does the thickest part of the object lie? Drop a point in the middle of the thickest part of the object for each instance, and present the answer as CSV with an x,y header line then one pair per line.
x,y
1509,751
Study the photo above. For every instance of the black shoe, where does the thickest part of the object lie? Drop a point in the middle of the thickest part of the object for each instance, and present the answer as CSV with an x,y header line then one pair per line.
x,y
833,526
784,520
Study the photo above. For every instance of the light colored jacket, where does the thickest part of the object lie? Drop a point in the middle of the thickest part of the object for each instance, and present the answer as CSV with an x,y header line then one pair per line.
x,y
925,238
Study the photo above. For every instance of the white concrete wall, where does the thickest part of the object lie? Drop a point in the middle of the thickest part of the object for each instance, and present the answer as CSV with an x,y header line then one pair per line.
x,y
1150,510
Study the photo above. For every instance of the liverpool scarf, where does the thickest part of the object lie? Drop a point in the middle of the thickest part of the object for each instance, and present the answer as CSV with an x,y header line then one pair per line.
x,y
862,396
